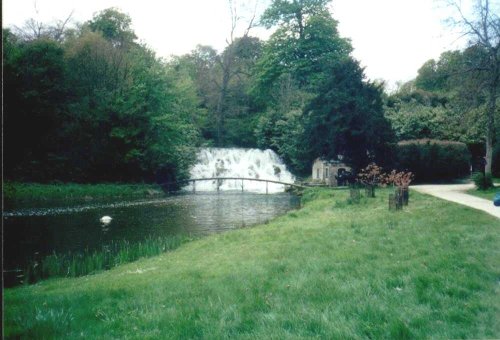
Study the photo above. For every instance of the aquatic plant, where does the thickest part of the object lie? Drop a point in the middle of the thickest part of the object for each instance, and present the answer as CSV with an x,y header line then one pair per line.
x,y
91,261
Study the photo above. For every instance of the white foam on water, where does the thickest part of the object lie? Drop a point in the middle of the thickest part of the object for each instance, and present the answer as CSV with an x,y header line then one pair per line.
x,y
240,163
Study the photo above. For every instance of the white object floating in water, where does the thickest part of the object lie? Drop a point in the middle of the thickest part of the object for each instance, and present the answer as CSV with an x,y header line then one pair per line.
x,y
105,220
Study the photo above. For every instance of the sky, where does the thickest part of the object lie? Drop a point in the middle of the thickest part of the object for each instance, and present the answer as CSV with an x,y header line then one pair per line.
x,y
391,38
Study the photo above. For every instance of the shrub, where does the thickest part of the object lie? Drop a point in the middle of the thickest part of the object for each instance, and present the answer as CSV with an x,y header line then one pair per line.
x,y
433,160
482,182
370,177
399,179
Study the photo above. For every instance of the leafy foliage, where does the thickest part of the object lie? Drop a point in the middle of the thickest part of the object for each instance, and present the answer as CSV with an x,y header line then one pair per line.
x,y
346,118
96,107
470,79
103,107
34,104
371,175
398,178
303,46
432,160
482,181
284,133
114,25
223,82
310,86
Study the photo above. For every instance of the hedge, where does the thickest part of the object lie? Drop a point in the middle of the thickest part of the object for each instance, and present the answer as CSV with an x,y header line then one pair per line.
x,y
433,160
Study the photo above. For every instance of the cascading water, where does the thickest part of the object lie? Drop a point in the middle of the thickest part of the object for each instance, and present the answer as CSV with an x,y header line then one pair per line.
x,y
240,163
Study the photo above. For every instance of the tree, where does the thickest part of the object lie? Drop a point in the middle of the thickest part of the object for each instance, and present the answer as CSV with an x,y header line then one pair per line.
x,y
230,68
483,31
35,98
304,44
131,115
96,106
296,63
199,66
239,107
293,14
114,25
34,29
346,118
451,91
423,109
223,81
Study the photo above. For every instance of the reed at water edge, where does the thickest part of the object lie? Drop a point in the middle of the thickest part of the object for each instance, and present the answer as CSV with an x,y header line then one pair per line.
x,y
108,256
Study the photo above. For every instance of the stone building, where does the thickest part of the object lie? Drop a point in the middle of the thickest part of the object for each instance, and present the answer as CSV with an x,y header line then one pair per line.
x,y
327,172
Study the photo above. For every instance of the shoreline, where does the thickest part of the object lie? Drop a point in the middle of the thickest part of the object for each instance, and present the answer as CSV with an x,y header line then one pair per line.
x,y
331,269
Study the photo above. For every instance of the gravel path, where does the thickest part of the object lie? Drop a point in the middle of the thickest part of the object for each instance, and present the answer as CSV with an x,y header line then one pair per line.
x,y
456,193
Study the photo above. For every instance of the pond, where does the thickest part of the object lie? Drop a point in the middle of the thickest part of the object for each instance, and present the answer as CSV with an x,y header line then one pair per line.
x,y
30,232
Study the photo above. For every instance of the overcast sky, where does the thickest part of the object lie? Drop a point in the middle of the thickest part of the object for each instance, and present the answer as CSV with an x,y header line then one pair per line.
x,y
391,38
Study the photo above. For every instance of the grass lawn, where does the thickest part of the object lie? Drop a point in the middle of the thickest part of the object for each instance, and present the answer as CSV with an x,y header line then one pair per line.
x,y
487,194
35,191
329,270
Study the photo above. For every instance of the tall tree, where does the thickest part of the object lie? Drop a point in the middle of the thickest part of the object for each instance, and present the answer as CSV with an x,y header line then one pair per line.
x,y
34,104
346,118
96,106
230,68
114,25
293,14
34,29
483,30
223,81
296,62
238,103
305,42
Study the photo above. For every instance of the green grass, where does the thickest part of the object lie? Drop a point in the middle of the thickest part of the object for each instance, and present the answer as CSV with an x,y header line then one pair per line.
x,y
330,270
35,191
108,256
487,194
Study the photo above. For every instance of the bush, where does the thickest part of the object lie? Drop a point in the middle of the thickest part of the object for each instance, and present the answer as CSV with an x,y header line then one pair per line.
x,y
482,182
433,160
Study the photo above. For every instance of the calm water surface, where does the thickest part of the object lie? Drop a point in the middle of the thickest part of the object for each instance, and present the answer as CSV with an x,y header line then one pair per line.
x,y
30,232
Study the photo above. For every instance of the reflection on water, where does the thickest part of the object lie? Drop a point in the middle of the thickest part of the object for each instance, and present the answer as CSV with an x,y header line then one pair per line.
x,y
33,232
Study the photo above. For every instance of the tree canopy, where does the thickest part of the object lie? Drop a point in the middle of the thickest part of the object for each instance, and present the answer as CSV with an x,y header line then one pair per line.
x,y
312,106
95,107
103,107
346,119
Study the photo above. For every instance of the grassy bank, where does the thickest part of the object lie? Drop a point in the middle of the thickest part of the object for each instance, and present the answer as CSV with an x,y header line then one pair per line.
x,y
14,191
329,270
486,194
109,256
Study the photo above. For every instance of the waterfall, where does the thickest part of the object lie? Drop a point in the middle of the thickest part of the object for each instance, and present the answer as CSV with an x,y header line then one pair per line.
x,y
237,162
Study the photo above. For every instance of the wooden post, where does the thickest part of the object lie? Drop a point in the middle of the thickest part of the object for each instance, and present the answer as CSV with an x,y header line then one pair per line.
x,y
194,187
354,194
405,195
370,190
241,185
267,185
392,202
399,197
396,200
